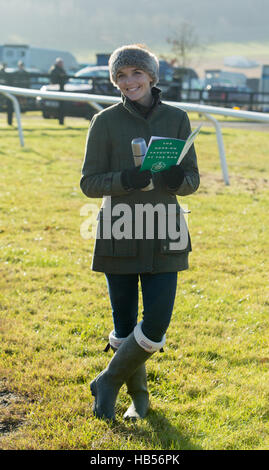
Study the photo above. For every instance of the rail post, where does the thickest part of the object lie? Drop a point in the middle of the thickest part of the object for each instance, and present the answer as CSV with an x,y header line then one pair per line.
x,y
221,148
17,110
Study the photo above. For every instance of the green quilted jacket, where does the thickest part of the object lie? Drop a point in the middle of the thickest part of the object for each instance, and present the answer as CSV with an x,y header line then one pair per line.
x,y
108,153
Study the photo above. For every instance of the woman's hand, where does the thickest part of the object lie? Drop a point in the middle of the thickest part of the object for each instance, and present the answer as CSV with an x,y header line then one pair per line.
x,y
135,179
173,177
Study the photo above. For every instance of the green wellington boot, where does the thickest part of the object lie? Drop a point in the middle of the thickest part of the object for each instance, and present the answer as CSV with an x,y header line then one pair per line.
x,y
136,386
131,355
137,389
137,382
105,387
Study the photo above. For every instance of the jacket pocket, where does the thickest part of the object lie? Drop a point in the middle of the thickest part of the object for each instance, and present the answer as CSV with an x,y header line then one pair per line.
x,y
103,247
110,242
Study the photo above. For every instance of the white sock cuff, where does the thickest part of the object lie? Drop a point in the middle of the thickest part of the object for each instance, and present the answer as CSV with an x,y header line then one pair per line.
x,y
144,342
114,341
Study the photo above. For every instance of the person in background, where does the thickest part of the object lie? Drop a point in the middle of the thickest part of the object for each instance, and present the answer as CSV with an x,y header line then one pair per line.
x,y
21,68
59,76
109,171
22,80
6,79
3,74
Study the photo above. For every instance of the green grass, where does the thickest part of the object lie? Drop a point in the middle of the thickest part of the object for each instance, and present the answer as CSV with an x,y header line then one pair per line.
x,y
210,388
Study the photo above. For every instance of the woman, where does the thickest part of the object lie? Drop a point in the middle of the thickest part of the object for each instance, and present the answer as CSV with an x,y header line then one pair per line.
x,y
109,172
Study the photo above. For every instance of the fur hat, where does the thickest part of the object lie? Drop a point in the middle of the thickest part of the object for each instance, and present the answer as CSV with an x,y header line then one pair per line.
x,y
134,55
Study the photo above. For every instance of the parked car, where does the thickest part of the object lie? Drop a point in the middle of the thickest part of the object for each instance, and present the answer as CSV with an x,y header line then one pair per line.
x,y
93,71
98,77
92,80
50,108
193,90
222,94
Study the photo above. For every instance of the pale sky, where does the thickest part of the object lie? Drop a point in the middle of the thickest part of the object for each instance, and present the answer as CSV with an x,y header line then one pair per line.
x,y
81,25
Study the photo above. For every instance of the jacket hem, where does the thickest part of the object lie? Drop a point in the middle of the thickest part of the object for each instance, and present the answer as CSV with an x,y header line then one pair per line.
x,y
110,269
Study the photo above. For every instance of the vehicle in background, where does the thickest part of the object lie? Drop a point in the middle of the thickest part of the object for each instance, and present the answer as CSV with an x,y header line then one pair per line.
x,y
223,88
166,81
179,83
50,108
227,95
30,79
93,71
35,57
221,77
92,80
98,77
82,65
194,90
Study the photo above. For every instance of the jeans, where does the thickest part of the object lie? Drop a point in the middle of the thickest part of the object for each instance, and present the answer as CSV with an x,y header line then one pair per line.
x,y
158,292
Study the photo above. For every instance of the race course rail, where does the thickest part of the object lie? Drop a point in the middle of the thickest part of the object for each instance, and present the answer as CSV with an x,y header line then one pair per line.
x,y
96,100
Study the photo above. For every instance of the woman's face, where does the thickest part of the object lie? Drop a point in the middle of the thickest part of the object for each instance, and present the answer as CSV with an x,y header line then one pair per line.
x,y
135,84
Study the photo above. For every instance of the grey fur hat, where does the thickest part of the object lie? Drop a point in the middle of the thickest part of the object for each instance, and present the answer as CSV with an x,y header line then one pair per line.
x,y
134,55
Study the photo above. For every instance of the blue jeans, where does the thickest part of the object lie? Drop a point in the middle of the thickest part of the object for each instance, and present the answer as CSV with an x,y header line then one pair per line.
x,y
158,292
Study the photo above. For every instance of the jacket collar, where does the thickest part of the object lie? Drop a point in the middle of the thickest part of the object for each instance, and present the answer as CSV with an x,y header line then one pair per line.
x,y
130,106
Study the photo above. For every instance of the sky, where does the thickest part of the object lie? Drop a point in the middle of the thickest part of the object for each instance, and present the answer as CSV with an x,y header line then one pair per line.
x,y
81,26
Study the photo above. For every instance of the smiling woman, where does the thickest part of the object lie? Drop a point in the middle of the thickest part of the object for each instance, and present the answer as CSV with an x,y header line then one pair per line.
x,y
135,84
109,172
134,70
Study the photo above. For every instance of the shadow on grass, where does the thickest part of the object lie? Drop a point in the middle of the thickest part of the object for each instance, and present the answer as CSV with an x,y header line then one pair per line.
x,y
167,435
43,130
48,160
156,432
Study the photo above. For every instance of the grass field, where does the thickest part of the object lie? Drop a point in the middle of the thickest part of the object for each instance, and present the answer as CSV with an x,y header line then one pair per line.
x,y
210,388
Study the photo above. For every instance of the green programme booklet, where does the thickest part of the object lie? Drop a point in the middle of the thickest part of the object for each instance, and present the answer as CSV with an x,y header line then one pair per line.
x,y
164,152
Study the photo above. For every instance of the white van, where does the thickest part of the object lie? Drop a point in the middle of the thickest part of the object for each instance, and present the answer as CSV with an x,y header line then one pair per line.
x,y
35,57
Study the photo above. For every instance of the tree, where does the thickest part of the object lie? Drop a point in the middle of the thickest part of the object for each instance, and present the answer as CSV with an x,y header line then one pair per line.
x,y
183,43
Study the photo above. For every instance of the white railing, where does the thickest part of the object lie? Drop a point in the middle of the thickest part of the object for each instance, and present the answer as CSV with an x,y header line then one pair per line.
x,y
207,111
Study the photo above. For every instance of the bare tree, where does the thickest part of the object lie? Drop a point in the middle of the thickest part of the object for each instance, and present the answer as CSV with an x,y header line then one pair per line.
x,y
183,42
